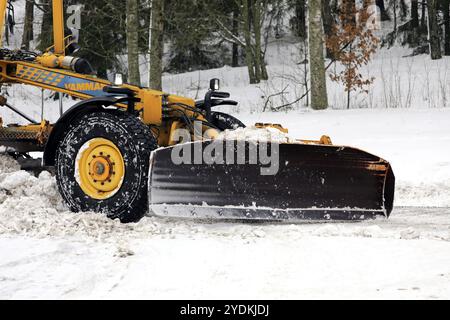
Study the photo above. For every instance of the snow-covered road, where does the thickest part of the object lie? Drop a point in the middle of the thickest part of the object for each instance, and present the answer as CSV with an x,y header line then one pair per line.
x,y
405,257
47,252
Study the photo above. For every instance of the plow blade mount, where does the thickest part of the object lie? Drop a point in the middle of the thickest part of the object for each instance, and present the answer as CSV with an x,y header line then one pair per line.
x,y
313,182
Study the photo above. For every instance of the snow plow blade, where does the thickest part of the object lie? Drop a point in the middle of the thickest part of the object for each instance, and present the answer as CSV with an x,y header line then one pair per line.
x,y
313,182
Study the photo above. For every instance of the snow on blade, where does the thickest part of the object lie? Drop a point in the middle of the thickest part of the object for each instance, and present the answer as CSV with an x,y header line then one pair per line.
x,y
254,134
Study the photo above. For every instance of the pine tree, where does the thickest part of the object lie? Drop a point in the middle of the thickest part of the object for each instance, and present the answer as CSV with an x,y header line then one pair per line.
x,y
103,36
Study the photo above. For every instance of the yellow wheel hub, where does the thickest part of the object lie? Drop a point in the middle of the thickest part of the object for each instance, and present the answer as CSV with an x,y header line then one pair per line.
x,y
101,169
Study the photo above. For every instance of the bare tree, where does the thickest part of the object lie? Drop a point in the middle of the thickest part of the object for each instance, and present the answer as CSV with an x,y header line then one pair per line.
x,y
446,4
435,42
28,36
253,37
134,75
299,21
328,22
383,11
319,96
248,40
235,49
156,44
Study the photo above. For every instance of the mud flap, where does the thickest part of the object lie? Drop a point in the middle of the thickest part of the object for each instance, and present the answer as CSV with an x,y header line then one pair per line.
x,y
313,182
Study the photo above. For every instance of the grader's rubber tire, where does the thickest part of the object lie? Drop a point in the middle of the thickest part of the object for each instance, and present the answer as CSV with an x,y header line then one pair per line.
x,y
223,121
102,165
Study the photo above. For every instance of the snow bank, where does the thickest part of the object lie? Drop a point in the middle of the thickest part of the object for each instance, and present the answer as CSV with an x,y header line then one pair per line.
x,y
7,164
32,206
26,200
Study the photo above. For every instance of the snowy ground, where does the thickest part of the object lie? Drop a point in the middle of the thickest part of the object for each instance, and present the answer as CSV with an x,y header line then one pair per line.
x,y
47,252
407,257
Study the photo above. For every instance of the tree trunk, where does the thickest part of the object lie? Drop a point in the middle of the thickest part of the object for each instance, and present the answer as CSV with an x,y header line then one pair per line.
x,y
248,42
134,75
264,73
414,33
46,35
235,50
423,22
28,36
255,10
446,5
403,10
415,14
382,7
300,12
395,17
319,97
435,45
259,58
156,45
327,18
327,23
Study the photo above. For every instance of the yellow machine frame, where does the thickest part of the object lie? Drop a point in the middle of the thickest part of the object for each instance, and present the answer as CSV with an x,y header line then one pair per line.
x,y
114,180
49,72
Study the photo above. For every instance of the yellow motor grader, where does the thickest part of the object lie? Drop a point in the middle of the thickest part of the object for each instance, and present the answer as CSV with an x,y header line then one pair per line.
x,y
124,151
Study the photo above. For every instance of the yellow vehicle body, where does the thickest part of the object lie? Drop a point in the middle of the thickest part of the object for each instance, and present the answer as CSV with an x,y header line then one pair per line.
x,y
108,157
48,72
